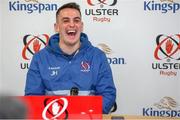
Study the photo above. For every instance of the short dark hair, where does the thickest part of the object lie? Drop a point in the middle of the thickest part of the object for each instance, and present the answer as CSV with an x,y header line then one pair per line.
x,y
72,5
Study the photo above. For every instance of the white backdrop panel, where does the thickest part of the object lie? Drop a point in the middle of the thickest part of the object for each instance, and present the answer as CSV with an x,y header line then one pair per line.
x,y
131,35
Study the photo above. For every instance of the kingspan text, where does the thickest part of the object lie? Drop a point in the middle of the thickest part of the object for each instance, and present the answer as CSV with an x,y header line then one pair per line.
x,y
31,7
163,7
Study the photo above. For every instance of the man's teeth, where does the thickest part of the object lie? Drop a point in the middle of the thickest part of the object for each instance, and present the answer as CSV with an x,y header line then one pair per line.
x,y
71,31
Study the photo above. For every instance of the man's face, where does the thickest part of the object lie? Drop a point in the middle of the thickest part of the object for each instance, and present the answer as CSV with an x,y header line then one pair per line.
x,y
69,26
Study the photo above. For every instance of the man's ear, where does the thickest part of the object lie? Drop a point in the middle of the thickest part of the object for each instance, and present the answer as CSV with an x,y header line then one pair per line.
x,y
56,28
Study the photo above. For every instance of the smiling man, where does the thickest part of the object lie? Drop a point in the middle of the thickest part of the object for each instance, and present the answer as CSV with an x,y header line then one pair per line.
x,y
69,26
70,63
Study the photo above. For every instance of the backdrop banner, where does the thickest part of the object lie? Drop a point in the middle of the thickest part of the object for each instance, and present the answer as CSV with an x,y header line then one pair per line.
x,y
141,39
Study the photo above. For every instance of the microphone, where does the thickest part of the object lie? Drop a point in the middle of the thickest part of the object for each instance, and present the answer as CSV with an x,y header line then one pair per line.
x,y
74,91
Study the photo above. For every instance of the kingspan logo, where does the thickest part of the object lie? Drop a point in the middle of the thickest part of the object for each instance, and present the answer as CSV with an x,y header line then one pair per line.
x,y
163,5
111,60
166,107
31,6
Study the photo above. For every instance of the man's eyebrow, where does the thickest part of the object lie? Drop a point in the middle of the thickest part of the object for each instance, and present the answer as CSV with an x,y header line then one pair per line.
x,y
77,18
65,18
69,18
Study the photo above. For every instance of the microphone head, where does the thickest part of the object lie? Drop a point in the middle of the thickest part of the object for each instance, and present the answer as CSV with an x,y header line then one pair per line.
x,y
74,91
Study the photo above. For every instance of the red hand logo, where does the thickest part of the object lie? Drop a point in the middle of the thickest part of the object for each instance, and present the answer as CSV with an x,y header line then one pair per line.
x,y
36,46
169,46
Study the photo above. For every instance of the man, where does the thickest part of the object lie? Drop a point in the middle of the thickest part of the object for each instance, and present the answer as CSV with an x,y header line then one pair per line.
x,y
70,61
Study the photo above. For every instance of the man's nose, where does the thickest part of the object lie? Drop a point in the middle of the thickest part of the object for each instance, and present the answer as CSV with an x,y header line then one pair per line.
x,y
72,24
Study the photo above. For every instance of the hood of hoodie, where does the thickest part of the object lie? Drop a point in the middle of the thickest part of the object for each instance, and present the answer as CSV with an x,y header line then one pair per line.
x,y
53,44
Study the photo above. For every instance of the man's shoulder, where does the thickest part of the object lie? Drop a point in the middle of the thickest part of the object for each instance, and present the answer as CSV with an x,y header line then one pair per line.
x,y
42,52
97,50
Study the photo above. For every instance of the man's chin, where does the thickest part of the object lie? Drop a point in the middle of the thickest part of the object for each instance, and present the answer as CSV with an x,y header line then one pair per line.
x,y
71,42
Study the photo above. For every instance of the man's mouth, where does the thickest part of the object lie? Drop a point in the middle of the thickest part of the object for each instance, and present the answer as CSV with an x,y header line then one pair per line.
x,y
71,32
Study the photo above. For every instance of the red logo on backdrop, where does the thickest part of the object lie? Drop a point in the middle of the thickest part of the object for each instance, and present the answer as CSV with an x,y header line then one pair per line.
x,y
104,2
167,47
32,44
59,107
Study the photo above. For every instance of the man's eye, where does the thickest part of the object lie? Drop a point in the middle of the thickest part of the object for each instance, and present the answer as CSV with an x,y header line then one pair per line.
x,y
77,21
65,21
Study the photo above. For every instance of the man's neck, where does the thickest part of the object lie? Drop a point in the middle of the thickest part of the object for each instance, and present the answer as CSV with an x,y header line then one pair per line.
x,y
69,49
